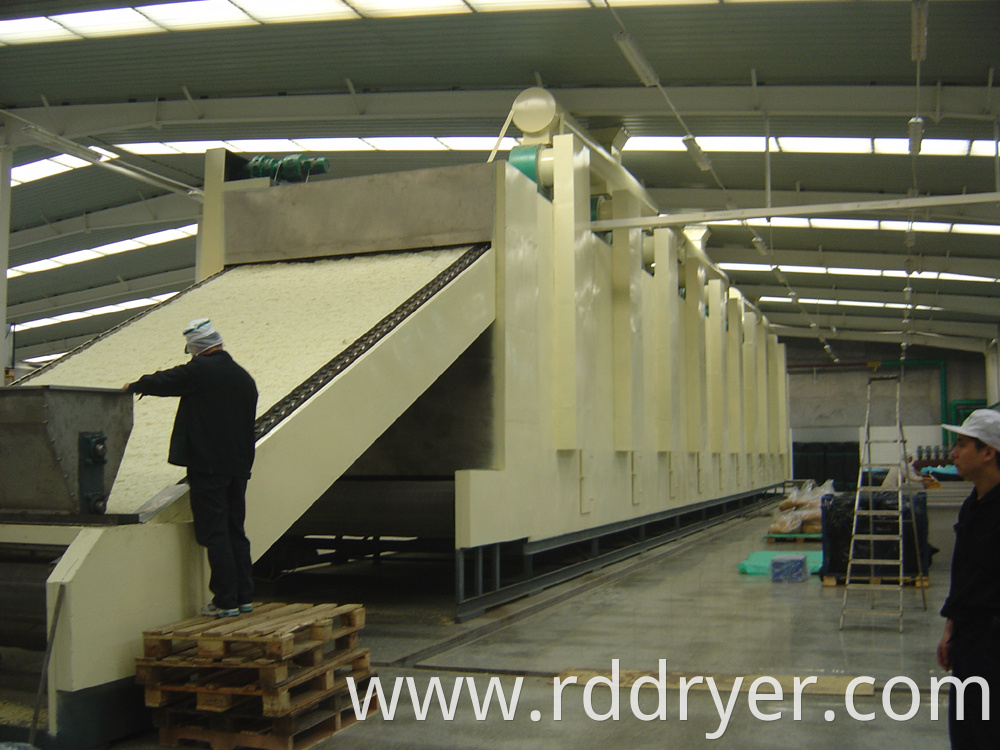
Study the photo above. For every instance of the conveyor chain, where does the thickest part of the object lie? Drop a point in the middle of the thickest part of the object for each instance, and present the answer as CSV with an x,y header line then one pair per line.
x,y
270,419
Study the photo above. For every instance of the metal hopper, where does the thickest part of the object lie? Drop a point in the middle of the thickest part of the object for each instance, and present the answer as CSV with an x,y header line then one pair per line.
x,y
60,447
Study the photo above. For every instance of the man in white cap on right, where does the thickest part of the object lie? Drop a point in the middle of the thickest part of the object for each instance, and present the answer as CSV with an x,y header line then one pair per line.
x,y
970,646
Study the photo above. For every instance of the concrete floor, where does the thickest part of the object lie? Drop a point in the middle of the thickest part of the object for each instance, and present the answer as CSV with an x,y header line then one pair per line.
x,y
685,603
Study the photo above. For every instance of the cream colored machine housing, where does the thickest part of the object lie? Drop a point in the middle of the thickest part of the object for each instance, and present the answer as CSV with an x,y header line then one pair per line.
x,y
620,378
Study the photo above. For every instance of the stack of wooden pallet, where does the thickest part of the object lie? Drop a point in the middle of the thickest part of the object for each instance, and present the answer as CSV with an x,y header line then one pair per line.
x,y
274,679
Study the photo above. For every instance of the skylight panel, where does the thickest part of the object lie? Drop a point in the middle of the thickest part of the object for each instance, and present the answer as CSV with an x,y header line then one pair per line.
x,y
334,144
983,148
477,143
376,8
993,229
196,14
114,248
296,11
751,267
796,145
944,147
195,147
148,149
110,22
158,238
265,145
751,144
654,143
789,222
29,30
871,224
37,170
893,146
76,257
36,266
407,143
494,5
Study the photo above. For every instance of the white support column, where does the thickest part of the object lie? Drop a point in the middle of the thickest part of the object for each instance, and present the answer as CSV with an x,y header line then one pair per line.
x,y
6,162
763,401
784,431
992,355
695,373
669,377
775,376
626,265
716,362
750,396
736,412
571,219
212,232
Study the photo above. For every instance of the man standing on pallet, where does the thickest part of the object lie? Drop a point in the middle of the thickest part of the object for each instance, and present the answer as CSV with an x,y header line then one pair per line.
x,y
213,437
970,646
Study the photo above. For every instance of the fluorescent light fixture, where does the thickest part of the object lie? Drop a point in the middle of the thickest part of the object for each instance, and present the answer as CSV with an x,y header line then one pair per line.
x,y
749,267
110,22
334,144
774,299
945,147
654,143
264,145
296,11
892,146
983,148
196,14
477,143
494,5
924,275
407,143
895,226
859,303
376,8
796,145
744,144
869,224
892,273
993,229
30,30
633,55
697,155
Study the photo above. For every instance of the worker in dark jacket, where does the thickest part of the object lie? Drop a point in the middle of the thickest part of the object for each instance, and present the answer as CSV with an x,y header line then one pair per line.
x,y
970,645
213,437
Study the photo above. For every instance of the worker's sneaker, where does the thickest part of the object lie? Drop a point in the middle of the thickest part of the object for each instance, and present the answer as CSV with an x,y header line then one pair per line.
x,y
210,610
246,609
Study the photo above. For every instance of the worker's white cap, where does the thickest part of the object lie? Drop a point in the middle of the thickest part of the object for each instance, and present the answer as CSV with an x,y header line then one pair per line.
x,y
983,424
200,336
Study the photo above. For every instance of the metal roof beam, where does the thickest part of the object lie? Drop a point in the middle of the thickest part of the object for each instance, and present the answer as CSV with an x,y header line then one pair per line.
x,y
939,342
848,321
77,121
982,306
160,210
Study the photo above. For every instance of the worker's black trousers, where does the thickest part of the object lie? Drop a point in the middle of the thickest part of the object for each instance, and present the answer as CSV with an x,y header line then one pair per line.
x,y
975,651
218,505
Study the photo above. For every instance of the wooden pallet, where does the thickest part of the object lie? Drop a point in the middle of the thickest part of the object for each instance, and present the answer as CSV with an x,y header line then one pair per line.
x,y
278,629
888,581
221,689
793,538
298,730
249,660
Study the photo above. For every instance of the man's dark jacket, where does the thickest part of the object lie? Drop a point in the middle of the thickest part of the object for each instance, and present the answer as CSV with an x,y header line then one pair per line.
x,y
213,430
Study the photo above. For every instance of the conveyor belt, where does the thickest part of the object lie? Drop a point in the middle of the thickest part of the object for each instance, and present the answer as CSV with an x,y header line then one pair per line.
x,y
294,326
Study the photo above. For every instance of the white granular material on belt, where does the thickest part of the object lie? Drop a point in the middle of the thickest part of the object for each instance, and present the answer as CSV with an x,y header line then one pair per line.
x,y
282,322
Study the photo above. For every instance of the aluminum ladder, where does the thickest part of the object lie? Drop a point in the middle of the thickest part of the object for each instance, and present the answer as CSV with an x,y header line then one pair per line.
x,y
877,534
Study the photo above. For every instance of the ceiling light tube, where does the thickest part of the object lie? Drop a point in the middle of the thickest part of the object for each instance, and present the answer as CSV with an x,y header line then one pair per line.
x,y
626,43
